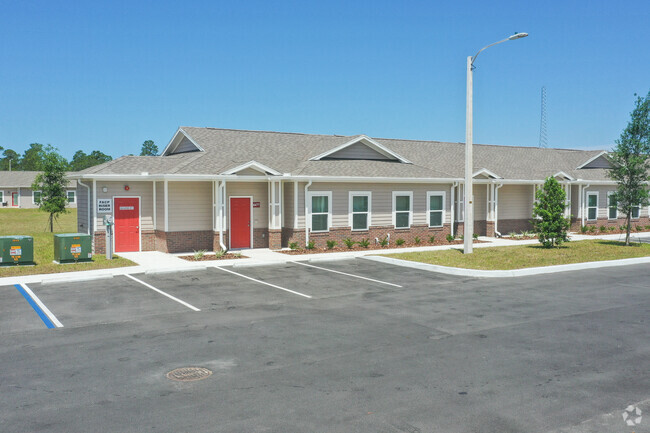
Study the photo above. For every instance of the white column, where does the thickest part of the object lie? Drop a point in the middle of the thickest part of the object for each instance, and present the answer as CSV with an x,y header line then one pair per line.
x,y
166,202
94,205
295,204
155,219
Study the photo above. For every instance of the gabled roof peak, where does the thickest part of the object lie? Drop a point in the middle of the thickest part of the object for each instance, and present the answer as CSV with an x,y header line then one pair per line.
x,y
368,142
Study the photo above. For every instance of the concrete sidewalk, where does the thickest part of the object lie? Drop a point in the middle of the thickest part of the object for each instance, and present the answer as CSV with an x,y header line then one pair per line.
x,y
155,261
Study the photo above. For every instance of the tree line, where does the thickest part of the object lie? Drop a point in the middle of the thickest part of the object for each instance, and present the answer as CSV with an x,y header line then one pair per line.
x,y
34,158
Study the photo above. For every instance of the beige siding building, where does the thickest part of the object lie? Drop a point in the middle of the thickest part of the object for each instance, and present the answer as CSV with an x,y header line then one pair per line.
x,y
227,189
16,190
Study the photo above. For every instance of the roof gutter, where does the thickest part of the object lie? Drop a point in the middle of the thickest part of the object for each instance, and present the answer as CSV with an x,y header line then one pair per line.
x,y
88,201
306,211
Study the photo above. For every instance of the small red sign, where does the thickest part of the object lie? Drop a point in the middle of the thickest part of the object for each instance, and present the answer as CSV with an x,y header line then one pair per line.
x,y
256,204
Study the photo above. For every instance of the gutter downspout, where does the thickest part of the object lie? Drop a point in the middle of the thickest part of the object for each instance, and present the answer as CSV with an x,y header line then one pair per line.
x,y
583,202
453,205
496,209
306,211
87,200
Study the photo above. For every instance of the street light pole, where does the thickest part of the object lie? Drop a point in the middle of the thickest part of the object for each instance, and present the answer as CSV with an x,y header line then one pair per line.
x,y
468,231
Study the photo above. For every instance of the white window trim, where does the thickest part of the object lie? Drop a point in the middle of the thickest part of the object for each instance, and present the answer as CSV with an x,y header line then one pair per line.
x,y
73,192
395,195
444,204
351,212
597,203
2,196
311,194
639,216
34,196
609,194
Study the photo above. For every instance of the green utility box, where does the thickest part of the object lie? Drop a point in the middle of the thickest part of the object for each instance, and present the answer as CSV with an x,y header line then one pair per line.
x,y
72,248
16,250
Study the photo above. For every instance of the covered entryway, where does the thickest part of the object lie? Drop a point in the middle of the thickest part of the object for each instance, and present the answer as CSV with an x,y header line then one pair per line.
x,y
241,228
127,224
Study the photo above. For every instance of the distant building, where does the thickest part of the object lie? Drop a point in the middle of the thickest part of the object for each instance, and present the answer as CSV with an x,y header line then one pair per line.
x,y
16,190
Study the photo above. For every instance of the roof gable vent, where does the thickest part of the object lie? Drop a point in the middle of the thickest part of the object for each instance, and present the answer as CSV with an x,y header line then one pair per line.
x,y
361,148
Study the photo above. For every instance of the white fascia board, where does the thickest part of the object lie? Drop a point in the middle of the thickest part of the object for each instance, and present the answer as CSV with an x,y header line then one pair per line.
x,y
604,152
255,166
368,142
563,174
186,135
487,172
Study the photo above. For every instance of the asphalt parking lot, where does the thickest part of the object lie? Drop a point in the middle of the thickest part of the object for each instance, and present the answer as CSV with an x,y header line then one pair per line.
x,y
345,346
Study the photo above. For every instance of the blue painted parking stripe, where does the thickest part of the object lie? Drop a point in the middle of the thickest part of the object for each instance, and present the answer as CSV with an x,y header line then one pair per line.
x,y
35,306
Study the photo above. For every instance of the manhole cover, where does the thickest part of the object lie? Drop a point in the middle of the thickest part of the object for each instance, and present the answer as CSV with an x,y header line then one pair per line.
x,y
189,374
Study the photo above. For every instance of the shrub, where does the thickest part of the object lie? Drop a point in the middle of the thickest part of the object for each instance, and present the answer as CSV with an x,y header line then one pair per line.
x,y
310,245
622,228
611,228
475,235
331,244
399,242
603,228
432,239
348,242
364,243
591,229
219,254
639,228
198,255
550,224
450,238
583,229
383,242
647,227
293,245
512,235
417,240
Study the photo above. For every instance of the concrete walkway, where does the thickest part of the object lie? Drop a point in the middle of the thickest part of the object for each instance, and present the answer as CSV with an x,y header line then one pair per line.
x,y
158,262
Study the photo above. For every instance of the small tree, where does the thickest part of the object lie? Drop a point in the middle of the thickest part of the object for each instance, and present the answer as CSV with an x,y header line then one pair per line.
x,y
548,214
630,161
149,149
52,185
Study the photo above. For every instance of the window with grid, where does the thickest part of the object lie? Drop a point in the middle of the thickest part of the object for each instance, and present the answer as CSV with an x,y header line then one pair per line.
x,y
436,201
360,210
402,210
612,211
320,211
71,196
592,206
36,197
635,212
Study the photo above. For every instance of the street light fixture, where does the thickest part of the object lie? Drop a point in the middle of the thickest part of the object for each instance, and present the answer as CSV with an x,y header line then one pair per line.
x,y
468,231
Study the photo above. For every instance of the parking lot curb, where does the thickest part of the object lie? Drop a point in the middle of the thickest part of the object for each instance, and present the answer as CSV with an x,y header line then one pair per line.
x,y
330,259
254,264
58,280
176,269
511,273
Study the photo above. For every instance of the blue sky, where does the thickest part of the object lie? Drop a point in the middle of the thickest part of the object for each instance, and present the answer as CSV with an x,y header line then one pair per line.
x,y
108,75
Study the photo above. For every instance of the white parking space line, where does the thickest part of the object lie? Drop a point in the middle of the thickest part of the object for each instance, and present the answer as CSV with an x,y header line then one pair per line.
x,y
40,303
349,275
263,282
190,306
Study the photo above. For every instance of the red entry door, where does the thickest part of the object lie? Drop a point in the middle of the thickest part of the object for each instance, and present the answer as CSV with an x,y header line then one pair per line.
x,y
14,199
127,224
240,223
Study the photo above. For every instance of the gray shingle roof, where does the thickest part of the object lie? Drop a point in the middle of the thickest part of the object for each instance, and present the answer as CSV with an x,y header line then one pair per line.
x,y
23,179
290,153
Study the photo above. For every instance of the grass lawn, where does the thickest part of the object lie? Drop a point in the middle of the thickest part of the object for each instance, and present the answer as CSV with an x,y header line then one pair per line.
x,y
32,222
529,256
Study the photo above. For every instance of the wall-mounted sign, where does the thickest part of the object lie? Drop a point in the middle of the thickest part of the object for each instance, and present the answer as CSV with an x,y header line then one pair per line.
x,y
104,205
256,204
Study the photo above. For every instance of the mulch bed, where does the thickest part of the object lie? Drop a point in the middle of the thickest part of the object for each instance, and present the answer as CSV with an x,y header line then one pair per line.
x,y
227,256
343,248
612,232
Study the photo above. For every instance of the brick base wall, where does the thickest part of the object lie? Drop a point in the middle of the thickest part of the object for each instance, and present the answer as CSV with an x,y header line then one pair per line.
x,y
275,239
338,234
148,239
577,223
99,243
517,226
180,242
260,238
